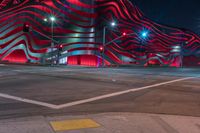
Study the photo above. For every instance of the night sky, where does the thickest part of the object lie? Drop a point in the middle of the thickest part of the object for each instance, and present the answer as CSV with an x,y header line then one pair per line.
x,y
178,13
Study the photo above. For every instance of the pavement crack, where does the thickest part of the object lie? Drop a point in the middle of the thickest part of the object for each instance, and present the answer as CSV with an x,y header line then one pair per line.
x,y
168,128
198,126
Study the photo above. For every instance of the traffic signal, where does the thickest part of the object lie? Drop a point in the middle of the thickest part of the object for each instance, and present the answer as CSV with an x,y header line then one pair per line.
x,y
26,28
60,48
101,49
124,34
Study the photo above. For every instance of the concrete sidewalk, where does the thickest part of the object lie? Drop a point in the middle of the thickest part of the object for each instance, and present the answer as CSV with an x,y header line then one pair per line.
x,y
108,123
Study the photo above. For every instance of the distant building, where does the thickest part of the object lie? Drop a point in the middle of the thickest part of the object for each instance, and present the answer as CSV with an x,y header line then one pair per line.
x,y
78,27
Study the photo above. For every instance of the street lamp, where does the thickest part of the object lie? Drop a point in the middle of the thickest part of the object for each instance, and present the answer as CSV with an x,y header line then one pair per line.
x,y
45,19
52,19
113,24
144,34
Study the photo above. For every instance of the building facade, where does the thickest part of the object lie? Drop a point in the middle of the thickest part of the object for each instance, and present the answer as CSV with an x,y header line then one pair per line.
x,y
78,33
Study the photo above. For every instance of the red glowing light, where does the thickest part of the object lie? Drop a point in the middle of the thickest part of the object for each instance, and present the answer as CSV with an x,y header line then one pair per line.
x,y
101,48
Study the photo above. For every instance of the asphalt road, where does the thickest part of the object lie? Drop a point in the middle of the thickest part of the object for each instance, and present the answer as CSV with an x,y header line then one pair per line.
x,y
63,86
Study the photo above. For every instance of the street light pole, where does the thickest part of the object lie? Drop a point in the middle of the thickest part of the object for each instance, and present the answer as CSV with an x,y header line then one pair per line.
x,y
52,19
52,38
52,43
181,58
104,42
113,24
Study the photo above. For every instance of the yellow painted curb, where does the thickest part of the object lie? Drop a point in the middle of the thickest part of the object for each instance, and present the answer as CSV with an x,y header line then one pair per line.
x,y
73,124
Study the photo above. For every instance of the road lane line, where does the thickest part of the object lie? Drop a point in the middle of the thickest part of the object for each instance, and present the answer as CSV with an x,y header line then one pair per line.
x,y
118,93
28,101
53,106
17,70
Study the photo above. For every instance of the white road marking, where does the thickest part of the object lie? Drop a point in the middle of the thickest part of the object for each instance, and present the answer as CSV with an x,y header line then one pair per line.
x,y
28,101
118,93
53,106
63,70
17,70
